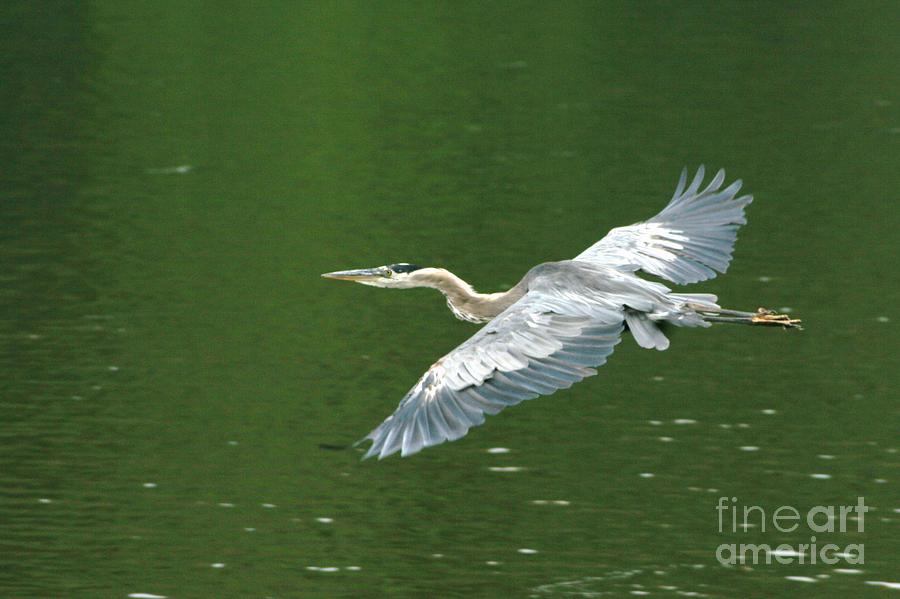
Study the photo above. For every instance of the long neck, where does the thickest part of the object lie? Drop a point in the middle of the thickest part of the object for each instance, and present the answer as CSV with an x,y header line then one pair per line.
x,y
465,302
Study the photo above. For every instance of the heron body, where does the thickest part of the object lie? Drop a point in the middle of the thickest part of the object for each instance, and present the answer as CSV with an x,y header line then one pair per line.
x,y
563,319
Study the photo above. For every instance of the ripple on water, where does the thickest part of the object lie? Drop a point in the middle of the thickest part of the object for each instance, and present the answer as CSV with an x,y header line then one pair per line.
x,y
181,169
498,450
145,596
654,581
506,468
885,584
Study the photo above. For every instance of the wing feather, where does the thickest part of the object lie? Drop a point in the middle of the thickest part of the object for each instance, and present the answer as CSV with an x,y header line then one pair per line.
x,y
689,241
534,348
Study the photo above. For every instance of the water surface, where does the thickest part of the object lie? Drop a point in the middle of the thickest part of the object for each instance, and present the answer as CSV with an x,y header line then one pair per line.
x,y
177,176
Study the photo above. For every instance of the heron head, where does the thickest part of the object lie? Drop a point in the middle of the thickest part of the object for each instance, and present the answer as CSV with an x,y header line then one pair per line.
x,y
399,275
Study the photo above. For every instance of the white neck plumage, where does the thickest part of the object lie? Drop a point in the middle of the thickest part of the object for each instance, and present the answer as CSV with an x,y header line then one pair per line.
x,y
462,299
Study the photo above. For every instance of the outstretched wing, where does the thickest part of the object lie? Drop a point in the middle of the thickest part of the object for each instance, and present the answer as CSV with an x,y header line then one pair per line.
x,y
542,343
689,241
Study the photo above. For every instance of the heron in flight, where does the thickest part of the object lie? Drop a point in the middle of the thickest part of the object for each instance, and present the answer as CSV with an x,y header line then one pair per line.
x,y
563,319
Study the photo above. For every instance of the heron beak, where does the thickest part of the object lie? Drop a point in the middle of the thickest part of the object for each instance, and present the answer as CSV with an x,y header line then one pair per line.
x,y
361,275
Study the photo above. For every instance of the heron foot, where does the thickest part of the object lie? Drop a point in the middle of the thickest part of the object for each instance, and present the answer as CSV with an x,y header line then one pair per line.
x,y
770,318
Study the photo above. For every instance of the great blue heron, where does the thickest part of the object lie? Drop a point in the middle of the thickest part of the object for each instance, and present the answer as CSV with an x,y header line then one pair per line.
x,y
564,318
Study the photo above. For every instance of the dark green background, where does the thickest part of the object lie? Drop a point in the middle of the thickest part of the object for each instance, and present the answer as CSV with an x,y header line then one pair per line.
x,y
175,176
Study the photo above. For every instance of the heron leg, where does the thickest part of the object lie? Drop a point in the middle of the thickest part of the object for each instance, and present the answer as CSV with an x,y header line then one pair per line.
x,y
761,317
725,312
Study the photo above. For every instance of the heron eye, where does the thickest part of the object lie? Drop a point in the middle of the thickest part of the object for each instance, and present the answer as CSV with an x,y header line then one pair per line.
x,y
388,273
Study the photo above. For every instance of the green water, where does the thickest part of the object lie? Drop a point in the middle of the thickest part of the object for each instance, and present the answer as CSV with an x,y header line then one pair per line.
x,y
175,176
